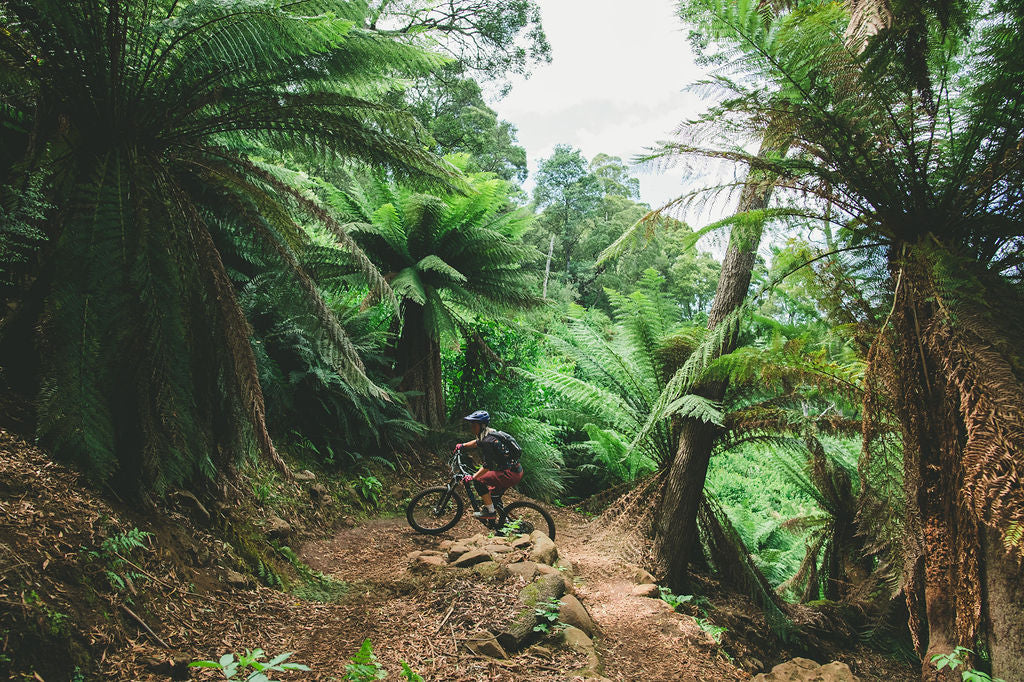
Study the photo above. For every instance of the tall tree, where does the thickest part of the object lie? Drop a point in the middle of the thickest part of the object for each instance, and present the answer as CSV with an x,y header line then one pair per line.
x,y
153,121
446,257
567,193
910,147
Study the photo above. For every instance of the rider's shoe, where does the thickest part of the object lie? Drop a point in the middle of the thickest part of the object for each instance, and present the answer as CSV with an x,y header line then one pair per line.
x,y
485,515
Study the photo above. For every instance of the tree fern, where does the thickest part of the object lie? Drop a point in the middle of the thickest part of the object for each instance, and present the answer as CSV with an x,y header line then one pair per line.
x,y
161,128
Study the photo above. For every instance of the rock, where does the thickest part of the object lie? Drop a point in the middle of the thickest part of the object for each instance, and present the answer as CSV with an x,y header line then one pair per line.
x,y
457,550
646,590
497,549
806,670
412,555
347,522
640,576
520,631
304,475
571,611
237,580
399,492
174,664
431,552
544,550
277,528
577,640
487,646
470,558
522,542
429,560
489,569
524,569
545,570
326,501
318,491
446,545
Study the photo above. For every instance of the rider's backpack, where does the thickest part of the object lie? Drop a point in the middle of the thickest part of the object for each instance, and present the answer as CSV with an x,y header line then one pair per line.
x,y
505,444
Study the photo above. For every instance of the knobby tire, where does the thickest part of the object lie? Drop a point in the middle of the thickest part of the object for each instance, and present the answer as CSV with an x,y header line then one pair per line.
x,y
534,510
423,503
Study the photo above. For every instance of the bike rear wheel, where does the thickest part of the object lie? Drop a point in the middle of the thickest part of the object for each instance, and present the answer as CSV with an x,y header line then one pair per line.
x,y
434,510
526,517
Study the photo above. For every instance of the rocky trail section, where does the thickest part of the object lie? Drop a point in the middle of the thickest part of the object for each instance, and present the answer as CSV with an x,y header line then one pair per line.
x,y
441,604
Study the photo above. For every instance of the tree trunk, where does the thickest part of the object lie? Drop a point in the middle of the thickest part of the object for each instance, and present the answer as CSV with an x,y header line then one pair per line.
x,y
939,530
676,517
1003,608
547,266
418,361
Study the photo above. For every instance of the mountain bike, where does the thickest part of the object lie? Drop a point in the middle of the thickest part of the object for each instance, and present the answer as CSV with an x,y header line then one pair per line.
x,y
436,510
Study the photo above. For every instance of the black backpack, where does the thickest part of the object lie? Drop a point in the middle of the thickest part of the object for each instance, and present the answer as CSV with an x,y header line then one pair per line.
x,y
504,446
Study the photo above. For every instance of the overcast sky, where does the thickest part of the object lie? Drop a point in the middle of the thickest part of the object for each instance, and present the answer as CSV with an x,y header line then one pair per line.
x,y
614,85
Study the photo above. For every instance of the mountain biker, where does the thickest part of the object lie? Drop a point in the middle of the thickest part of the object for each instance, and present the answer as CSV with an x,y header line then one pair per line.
x,y
499,472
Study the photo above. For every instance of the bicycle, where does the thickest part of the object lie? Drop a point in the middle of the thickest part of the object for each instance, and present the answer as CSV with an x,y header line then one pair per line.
x,y
436,510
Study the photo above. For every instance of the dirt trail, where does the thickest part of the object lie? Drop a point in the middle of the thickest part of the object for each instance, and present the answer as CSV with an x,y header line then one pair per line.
x,y
640,639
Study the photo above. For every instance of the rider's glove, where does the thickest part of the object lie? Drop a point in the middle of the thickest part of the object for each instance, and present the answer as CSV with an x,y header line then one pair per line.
x,y
467,478
458,446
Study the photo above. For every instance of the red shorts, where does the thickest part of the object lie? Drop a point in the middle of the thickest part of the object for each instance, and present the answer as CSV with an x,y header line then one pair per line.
x,y
497,481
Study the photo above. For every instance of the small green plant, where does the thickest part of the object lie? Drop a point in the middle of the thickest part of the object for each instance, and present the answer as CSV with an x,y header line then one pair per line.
x,y
250,665
513,527
409,674
716,631
674,600
115,551
548,611
262,491
958,658
369,488
364,666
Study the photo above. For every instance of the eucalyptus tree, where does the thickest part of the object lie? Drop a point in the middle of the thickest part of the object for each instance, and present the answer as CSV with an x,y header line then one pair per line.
x,y
154,124
446,256
566,192
913,146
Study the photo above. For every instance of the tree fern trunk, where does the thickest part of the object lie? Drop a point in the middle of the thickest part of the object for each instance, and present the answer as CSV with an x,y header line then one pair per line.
x,y
1004,608
419,364
676,516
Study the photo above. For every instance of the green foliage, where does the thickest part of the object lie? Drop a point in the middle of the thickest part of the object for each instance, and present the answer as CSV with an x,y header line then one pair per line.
x,y
364,666
159,129
548,613
958,658
116,552
674,600
369,488
250,666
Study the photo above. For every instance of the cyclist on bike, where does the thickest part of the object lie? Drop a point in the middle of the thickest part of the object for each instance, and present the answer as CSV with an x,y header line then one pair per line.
x,y
500,470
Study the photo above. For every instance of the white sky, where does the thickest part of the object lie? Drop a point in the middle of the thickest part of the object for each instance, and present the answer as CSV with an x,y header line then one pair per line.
x,y
614,85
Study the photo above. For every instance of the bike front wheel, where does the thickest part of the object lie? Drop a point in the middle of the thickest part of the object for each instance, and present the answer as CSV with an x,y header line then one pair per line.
x,y
434,510
526,517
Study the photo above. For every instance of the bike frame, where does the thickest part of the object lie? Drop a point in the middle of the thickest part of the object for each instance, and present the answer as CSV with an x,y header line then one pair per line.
x,y
459,473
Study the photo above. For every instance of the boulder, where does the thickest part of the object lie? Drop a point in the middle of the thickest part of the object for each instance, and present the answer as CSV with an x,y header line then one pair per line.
x,y
304,475
522,542
520,631
412,555
237,580
544,550
640,576
430,560
806,670
457,550
486,646
173,664
571,611
489,569
524,569
577,640
277,528
646,590
470,558
497,549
